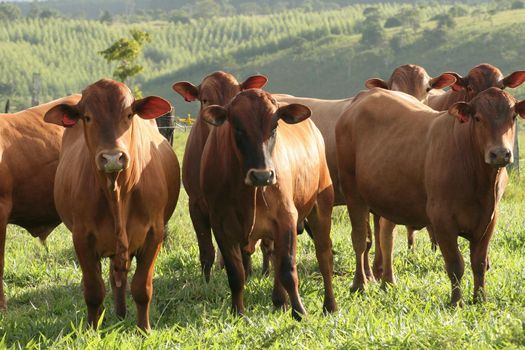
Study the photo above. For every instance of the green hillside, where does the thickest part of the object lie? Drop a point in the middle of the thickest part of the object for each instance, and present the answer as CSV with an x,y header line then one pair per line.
x,y
304,53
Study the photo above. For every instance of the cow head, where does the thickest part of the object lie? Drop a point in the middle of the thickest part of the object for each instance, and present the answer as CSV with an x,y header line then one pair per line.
x,y
106,112
218,88
253,118
413,80
492,114
484,76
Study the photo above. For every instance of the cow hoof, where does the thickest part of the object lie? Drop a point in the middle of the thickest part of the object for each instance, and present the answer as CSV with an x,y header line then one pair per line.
x,y
456,304
329,307
298,316
357,287
386,285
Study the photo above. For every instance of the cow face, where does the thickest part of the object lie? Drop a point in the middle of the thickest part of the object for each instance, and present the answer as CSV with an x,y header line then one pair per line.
x,y
253,117
106,111
218,88
483,77
413,80
492,116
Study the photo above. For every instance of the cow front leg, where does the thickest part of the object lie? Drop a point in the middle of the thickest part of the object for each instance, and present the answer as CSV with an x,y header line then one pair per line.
x,y
286,269
480,262
267,252
233,263
142,283
320,220
119,292
94,290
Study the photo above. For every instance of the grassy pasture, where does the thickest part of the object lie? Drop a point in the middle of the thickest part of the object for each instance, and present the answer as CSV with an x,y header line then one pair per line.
x,y
46,308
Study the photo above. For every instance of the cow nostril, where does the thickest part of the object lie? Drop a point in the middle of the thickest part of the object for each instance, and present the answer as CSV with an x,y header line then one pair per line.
x,y
123,159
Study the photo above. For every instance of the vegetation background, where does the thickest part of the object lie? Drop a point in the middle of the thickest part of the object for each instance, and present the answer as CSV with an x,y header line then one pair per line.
x,y
315,48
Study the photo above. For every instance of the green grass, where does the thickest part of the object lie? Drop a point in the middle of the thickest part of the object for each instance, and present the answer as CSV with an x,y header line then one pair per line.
x,y
46,307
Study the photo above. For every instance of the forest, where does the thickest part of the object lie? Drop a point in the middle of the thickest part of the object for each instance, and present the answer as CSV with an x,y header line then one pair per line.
x,y
296,49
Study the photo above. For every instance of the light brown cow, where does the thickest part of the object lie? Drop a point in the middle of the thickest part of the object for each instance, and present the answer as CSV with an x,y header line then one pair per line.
x,y
116,186
417,166
479,78
216,89
29,149
260,176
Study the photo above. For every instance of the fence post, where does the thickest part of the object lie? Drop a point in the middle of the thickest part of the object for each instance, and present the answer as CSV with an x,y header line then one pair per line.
x,y
166,125
515,166
7,105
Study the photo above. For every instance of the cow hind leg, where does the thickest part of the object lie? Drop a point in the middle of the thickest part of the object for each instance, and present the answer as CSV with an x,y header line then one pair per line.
x,y
320,221
359,216
377,267
5,211
386,236
94,289
286,269
410,238
267,252
201,224
142,283
366,260
119,293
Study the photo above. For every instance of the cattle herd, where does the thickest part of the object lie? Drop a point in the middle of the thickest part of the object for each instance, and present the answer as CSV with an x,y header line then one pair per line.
x,y
264,167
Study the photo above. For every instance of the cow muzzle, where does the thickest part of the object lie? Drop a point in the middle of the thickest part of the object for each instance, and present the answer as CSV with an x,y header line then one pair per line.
x,y
112,161
256,177
499,157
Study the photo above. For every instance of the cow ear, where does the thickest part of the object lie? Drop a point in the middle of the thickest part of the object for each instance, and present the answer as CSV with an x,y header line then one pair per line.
x,y
519,107
376,82
214,115
187,90
442,81
514,80
461,111
63,115
151,107
460,83
293,113
254,82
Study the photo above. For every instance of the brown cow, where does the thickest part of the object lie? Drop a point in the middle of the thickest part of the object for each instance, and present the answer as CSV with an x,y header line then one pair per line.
x,y
479,78
261,176
451,181
325,114
215,89
30,149
116,186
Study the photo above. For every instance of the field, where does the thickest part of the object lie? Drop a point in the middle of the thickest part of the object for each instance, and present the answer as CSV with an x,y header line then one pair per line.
x,y
46,307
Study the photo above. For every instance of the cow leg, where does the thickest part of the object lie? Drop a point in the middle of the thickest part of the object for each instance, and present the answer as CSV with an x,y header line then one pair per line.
x,y
286,269
320,220
448,244
201,224
94,290
279,296
232,256
368,270
247,263
119,293
267,251
377,267
387,235
432,238
142,283
410,238
359,215
5,211
480,262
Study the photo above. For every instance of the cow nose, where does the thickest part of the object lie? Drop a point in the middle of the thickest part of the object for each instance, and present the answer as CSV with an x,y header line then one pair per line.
x,y
257,177
112,161
500,156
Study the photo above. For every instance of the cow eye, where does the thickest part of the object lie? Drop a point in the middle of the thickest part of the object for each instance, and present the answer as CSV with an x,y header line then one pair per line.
x,y
87,119
204,102
476,118
130,115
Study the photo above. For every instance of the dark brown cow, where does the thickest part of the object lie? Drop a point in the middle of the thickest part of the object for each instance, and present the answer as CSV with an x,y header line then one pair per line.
x,y
261,176
116,186
215,89
30,149
479,78
417,166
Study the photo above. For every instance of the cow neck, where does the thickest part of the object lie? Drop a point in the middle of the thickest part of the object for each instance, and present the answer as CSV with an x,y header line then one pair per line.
x,y
483,178
117,188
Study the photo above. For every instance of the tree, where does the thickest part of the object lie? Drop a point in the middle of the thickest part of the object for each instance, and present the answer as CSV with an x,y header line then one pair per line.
x,y
393,22
9,12
445,21
105,17
126,51
372,32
